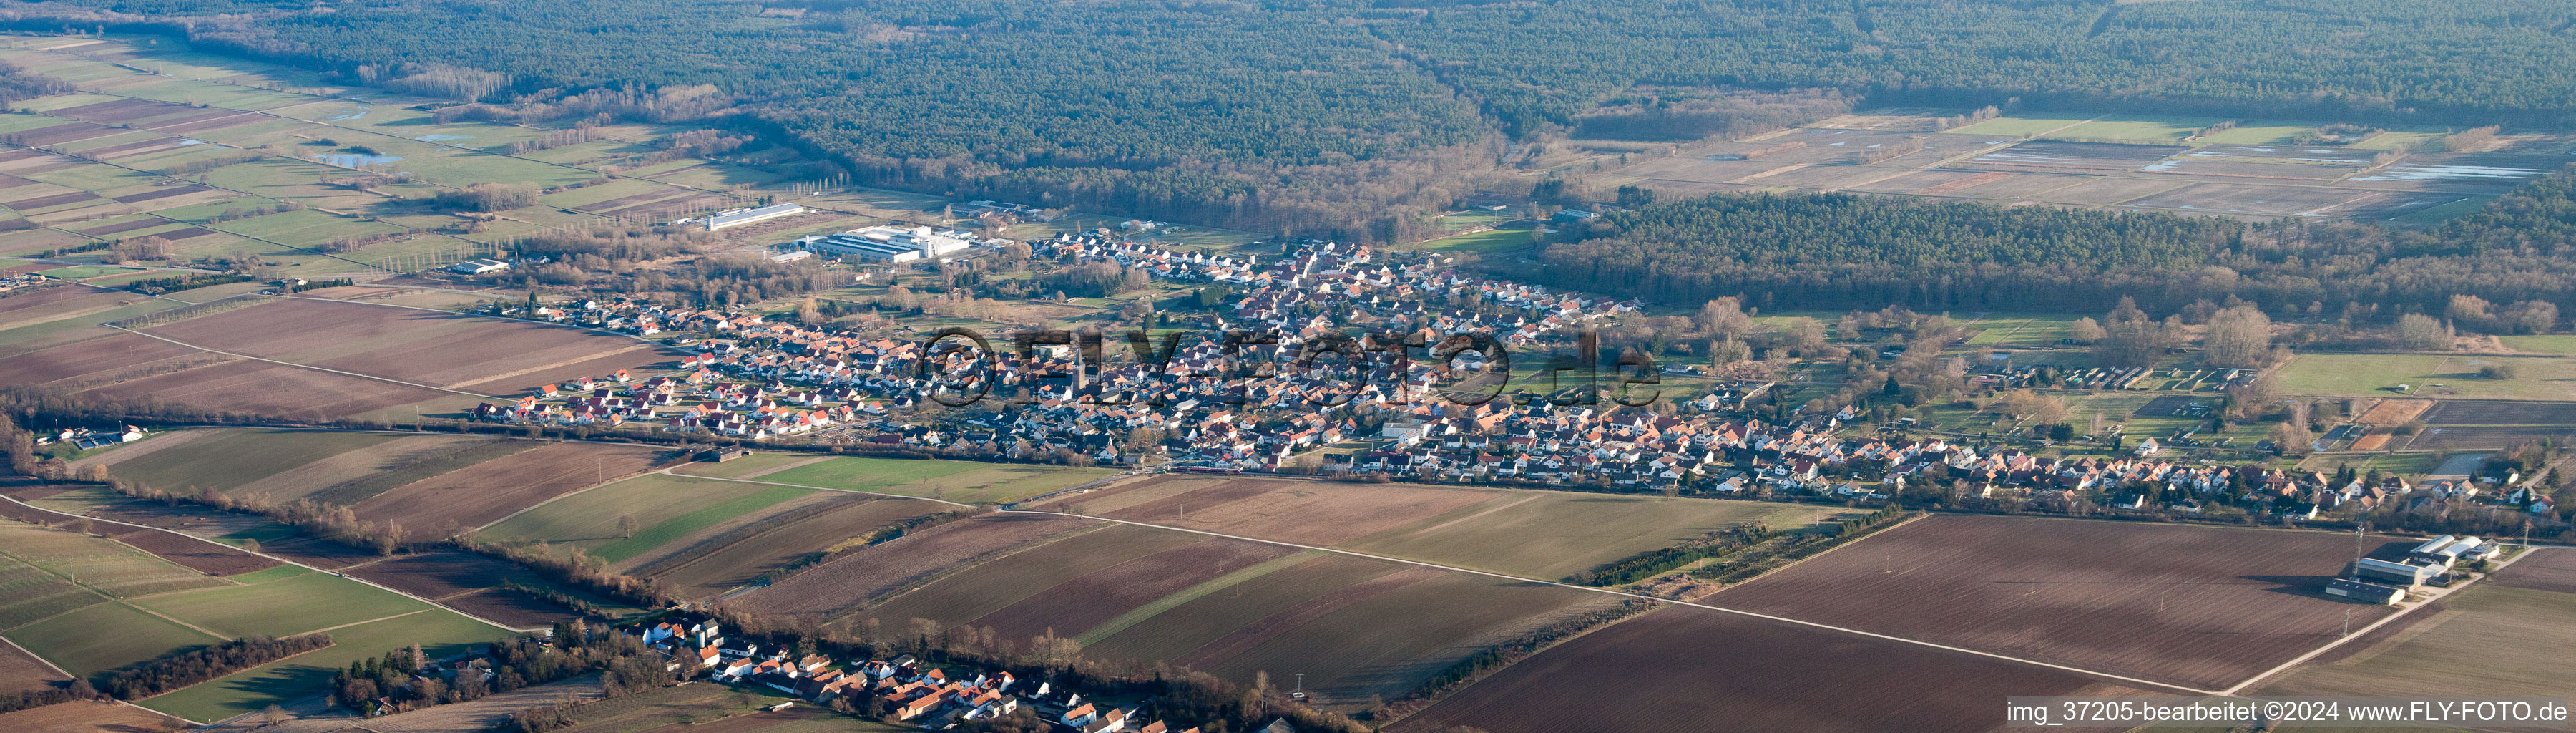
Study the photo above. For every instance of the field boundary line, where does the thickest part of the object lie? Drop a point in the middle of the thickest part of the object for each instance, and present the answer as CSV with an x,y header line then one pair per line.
x,y
1609,591
49,664
1158,606
576,492
105,597
1819,553
2365,631
372,584
388,380
358,623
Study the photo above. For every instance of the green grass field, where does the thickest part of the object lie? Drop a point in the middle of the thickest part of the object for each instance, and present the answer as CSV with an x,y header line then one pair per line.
x,y
440,633
665,508
2365,375
98,563
104,637
2257,132
282,606
1484,242
2143,128
1549,534
2023,124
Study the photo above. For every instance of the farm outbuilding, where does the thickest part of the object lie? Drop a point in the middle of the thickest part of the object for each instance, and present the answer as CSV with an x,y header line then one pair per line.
x,y
2411,572
2368,592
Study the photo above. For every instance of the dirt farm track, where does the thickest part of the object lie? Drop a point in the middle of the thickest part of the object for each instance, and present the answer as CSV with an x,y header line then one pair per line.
x,y
2204,607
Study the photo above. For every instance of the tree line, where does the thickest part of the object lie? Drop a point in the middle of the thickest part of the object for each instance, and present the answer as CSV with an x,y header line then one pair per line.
x,y
2502,269
198,665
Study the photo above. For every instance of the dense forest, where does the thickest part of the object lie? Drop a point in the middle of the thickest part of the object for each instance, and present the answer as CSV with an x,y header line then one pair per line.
x,y
1346,117
1847,251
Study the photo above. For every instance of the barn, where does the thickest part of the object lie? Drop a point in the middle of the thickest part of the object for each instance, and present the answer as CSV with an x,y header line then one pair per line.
x,y
2366,592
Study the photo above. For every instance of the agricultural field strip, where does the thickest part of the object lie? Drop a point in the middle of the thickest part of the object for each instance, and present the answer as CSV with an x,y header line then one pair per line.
x,y
389,380
619,334
587,489
1606,591
209,225
105,598
2436,593
477,619
67,673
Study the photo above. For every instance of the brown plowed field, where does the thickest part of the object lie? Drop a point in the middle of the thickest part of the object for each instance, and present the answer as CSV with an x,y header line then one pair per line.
x,y
1305,512
317,553
272,390
2500,412
2550,569
195,554
1271,626
512,608
427,347
862,576
439,574
20,672
82,717
96,355
2394,412
1076,605
484,492
721,569
1687,670
2199,606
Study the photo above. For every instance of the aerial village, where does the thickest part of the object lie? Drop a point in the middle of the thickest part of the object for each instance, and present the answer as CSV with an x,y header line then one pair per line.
x,y
1210,402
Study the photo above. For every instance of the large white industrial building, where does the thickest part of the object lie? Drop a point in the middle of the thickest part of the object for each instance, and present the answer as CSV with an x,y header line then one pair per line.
x,y
889,244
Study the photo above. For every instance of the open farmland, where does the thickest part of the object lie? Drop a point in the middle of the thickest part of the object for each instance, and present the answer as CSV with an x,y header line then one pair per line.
x,y
1083,602
2500,412
1391,640
1751,673
2429,375
97,356
229,459
2486,640
444,350
1306,512
960,481
2119,162
729,560
440,634
271,390
476,495
2198,606
104,565
865,575
972,593
21,672
81,717
192,553
470,584
664,509
1548,534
